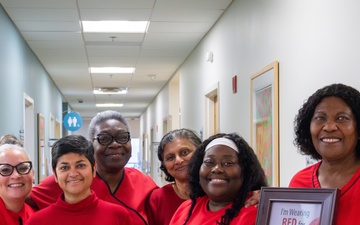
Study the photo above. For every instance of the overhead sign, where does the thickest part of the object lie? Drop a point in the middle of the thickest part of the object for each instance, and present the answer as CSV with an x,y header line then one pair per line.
x,y
72,121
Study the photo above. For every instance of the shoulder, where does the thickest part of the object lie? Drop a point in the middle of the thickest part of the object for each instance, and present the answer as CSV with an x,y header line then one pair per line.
x,y
135,172
181,212
185,206
136,176
112,207
42,214
166,189
304,177
246,216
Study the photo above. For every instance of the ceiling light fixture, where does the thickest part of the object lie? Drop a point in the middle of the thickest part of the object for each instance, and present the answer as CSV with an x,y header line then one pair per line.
x,y
110,105
109,91
112,69
115,26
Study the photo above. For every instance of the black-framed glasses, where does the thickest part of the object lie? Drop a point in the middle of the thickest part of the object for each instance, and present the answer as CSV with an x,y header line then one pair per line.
x,y
106,139
22,168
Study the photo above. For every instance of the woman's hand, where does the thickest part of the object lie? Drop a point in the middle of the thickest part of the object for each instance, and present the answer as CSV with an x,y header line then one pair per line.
x,y
253,200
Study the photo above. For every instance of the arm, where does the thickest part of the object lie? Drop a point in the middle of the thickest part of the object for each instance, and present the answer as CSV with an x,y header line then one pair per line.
x,y
44,194
31,203
253,200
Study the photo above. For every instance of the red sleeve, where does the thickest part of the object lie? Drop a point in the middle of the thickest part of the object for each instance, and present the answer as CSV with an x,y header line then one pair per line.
x,y
150,207
46,193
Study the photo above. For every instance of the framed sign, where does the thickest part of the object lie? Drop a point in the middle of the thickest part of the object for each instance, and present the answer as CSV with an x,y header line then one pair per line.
x,y
41,167
264,127
297,206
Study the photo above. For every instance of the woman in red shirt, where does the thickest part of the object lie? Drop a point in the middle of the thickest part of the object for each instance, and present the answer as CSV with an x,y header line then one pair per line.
x,y
174,152
16,178
74,167
222,173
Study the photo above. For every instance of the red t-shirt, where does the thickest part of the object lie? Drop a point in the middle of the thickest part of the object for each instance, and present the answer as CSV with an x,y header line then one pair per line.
x,y
163,200
349,202
8,217
132,192
90,211
202,216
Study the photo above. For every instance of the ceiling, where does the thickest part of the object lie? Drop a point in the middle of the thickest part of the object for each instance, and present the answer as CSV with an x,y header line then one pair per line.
x,y
53,31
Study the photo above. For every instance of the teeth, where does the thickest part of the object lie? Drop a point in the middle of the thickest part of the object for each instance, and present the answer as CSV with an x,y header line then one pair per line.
x,y
331,139
16,185
218,181
74,181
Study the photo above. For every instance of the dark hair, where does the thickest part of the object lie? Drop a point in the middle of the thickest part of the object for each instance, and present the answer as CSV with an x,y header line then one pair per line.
x,y
303,140
11,139
72,144
170,137
104,116
253,175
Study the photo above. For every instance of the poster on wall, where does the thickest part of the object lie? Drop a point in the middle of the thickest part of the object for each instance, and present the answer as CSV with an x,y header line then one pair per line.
x,y
264,100
42,161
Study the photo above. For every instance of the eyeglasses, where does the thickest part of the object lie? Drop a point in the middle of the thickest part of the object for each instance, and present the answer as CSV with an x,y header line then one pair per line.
x,y
22,168
106,139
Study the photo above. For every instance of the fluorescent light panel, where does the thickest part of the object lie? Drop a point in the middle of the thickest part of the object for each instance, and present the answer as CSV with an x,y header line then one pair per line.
x,y
112,69
110,105
115,26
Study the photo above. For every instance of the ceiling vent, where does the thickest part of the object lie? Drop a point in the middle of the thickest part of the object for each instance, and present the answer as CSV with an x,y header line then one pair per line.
x,y
109,91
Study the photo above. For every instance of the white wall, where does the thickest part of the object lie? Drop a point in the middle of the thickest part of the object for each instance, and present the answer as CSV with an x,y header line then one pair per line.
x,y
316,44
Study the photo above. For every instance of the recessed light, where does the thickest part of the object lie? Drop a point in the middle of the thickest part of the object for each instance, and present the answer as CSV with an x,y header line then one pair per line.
x,y
110,105
112,69
115,26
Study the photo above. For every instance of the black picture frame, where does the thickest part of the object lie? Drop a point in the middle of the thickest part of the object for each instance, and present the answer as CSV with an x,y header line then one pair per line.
x,y
300,206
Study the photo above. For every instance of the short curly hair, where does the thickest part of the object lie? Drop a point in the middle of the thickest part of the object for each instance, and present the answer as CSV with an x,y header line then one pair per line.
x,y
302,121
104,116
253,175
170,137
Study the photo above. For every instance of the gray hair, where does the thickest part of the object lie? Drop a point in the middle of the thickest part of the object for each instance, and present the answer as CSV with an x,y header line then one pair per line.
x,y
5,147
104,116
11,139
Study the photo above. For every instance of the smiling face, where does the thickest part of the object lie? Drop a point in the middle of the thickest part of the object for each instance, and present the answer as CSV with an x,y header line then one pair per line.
x,y
333,129
220,174
15,186
176,157
115,156
74,174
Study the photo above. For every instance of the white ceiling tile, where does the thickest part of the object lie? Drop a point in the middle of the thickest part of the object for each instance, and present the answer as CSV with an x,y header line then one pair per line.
x,y
115,14
127,4
111,38
53,31
48,26
42,14
178,27
52,36
38,4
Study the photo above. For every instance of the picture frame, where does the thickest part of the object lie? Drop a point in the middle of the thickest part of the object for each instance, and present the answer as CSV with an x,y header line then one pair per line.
x,y
264,127
300,206
42,164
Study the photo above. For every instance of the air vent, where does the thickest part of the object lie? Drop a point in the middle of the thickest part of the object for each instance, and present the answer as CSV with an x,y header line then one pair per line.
x,y
110,91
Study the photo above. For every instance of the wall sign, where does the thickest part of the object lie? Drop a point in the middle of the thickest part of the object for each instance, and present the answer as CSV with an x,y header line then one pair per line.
x,y
72,121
